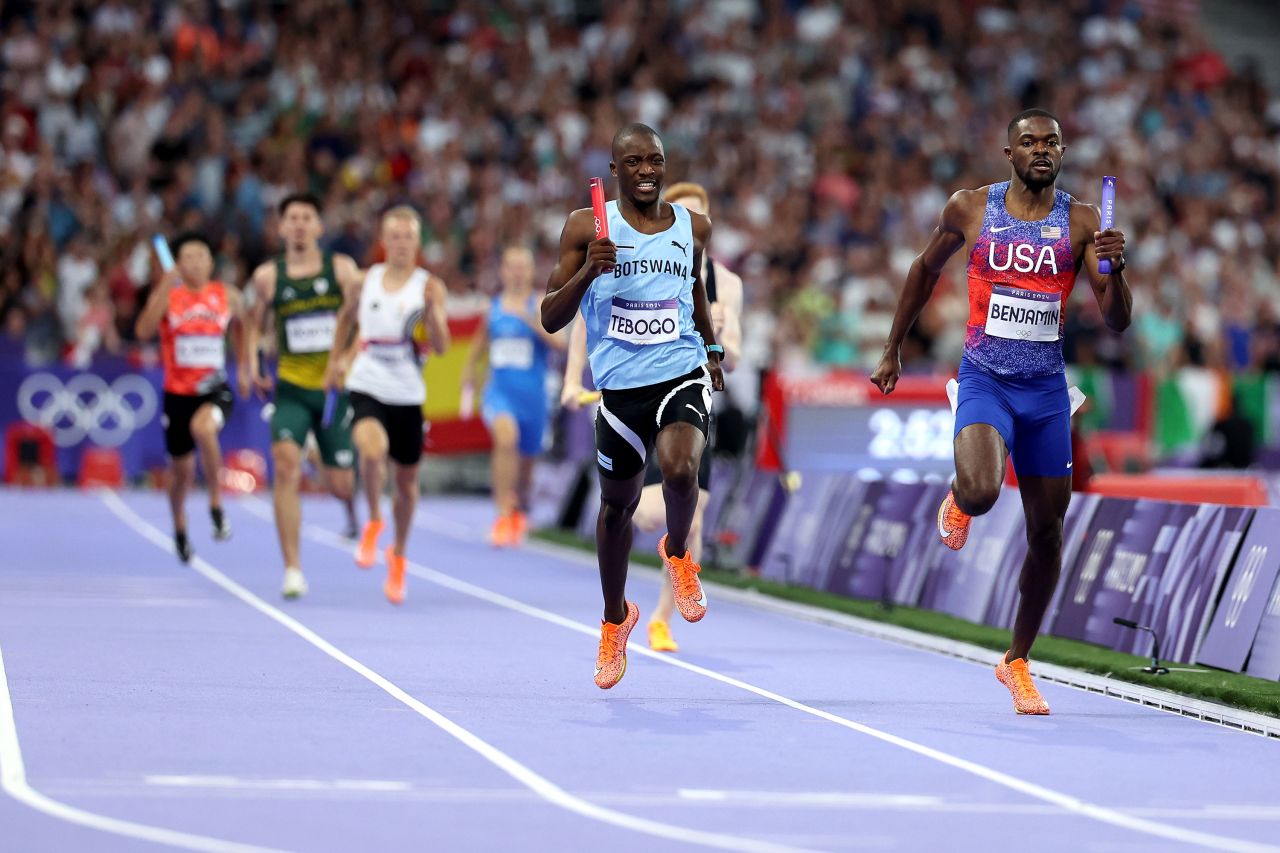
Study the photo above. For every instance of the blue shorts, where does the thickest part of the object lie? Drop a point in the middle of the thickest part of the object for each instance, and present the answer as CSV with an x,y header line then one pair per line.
x,y
1033,416
528,410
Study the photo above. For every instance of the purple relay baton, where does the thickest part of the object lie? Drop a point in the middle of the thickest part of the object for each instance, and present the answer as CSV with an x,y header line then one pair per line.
x,y
330,403
1108,215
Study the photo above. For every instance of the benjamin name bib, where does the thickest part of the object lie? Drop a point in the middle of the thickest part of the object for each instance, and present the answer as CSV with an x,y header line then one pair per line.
x,y
1024,315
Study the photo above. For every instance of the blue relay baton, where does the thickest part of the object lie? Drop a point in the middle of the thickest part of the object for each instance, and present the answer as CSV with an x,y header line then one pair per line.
x,y
330,403
1108,215
162,252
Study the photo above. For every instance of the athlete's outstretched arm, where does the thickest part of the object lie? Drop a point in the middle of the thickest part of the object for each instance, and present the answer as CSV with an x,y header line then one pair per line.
x,y
148,322
1111,291
575,362
436,316
947,239
345,332
701,306
581,260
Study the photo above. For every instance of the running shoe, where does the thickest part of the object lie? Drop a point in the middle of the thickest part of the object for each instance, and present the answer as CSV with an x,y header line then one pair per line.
x,y
611,659
367,550
221,527
182,546
295,585
519,527
691,601
953,523
660,639
503,533
1026,698
394,587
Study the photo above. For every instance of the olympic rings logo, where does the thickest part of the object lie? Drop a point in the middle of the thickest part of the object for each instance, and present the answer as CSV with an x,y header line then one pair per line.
x,y
87,407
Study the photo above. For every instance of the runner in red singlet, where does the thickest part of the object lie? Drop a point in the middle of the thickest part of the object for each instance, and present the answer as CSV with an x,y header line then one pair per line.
x,y
192,315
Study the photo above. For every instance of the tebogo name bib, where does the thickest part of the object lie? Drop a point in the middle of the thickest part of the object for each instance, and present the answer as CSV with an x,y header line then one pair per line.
x,y
511,354
200,351
1024,315
645,322
310,332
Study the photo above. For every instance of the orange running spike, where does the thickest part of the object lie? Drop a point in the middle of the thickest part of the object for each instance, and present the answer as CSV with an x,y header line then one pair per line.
x,y
1026,698
691,600
611,659
394,587
953,523
367,550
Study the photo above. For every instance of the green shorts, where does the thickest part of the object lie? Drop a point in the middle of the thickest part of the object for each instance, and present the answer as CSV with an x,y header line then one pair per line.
x,y
299,411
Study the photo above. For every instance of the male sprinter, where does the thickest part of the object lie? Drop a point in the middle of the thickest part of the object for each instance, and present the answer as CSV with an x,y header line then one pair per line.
x,y
654,357
192,314
385,379
724,293
1030,240
303,287
515,397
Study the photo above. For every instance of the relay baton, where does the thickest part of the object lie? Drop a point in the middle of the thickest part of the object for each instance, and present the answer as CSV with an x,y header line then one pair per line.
x,y
330,403
597,205
1108,215
586,398
162,252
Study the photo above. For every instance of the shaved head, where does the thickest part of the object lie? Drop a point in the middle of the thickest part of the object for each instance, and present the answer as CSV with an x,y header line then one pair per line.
x,y
630,130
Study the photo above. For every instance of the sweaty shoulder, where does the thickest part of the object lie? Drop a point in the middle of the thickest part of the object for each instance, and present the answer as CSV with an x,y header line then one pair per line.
x,y
580,227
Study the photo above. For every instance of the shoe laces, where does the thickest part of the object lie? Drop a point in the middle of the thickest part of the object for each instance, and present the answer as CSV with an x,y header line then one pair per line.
x,y
1022,683
686,575
609,643
956,517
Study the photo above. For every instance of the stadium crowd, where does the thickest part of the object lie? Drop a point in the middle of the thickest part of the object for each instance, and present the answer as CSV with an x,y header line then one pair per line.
x,y
829,135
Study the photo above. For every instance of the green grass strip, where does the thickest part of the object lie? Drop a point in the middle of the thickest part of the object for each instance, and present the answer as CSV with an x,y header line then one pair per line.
x,y
1227,688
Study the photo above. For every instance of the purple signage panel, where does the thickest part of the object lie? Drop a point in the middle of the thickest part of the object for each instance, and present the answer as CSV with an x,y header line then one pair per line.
x,y
1004,599
1178,603
1120,580
967,578
552,482
788,555
742,520
1264,662
841,579
1082,578
1239,612
876,537
923,550
1141,602
847,495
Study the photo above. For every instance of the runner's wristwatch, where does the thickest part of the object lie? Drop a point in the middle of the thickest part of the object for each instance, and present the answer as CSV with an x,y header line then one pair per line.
x,y
716,348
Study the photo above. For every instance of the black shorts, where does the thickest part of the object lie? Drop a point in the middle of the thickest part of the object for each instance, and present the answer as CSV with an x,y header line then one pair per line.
x,y
653,472
628,421
402,423
179,409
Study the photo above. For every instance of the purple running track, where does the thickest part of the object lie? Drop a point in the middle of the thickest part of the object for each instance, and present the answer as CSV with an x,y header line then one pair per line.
x,y
143,691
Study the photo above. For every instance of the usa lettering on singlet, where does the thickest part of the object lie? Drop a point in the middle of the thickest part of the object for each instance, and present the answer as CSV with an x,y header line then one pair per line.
x,y
388,367
1020,276
640,316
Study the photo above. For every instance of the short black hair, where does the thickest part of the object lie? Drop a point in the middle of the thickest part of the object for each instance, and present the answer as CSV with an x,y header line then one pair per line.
x,y
191,237
633,129
300,198
1034,112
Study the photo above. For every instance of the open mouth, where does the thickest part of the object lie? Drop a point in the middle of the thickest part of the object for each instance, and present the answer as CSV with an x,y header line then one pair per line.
x,y
1042,165
646,186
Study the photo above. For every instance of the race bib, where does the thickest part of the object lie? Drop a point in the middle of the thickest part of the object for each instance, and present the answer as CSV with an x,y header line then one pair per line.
x,y
200,351
640,322
1024,315
511,354
310,332
389,353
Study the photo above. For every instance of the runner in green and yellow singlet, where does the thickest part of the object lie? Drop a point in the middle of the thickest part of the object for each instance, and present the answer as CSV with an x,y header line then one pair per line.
x,y
303,288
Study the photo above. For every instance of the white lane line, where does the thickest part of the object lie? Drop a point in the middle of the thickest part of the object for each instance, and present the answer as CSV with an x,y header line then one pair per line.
x,y
542,786
1067,802
13,779
840,799
233,782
